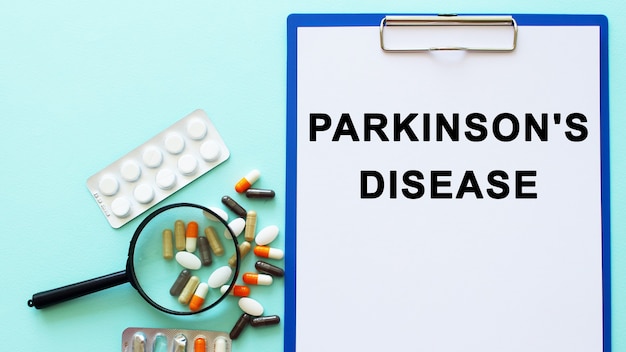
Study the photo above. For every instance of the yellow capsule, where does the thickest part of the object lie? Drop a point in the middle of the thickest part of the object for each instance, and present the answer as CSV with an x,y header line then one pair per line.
x,y
179,235
168,250
250,226
189,290
244,248
214,241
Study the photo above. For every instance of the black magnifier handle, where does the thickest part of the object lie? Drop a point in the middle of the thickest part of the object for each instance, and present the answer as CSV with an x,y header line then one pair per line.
x,y
79,289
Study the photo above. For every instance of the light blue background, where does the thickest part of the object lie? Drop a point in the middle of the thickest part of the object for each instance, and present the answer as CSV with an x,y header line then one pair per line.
x,y
82,83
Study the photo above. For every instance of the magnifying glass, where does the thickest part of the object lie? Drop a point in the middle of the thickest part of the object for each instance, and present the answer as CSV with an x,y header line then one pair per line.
x,y
158,279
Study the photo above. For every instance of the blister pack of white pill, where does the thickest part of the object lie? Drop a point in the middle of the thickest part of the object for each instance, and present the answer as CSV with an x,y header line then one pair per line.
x,y
159,167
135,339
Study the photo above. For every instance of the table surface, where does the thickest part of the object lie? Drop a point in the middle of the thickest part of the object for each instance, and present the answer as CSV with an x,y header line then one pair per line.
x,y
81,84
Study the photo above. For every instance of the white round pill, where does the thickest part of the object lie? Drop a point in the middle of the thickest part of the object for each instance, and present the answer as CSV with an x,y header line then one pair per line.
x,y
236,226
152,157
130,171
108,185
196,129
188,260
165,179
250,306
174,143
219,211
120,207
266,235
143,193
187,165
220,276
210,151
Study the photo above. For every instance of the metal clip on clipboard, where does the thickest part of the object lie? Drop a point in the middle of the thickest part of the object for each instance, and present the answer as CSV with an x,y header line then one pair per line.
x,y
506,39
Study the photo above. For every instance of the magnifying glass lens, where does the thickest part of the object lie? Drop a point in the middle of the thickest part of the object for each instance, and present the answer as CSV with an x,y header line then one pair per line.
x,y
155,274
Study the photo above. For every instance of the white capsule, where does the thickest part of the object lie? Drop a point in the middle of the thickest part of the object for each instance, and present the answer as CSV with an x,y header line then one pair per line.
x,y
250,306
220,344
219,211
236,226
220,276
188,260
266,235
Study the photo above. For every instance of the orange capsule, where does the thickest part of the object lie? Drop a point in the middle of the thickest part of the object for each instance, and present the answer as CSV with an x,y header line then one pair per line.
x,y
238,290
199,345
257,279
191,236
268,252
247,181
198,297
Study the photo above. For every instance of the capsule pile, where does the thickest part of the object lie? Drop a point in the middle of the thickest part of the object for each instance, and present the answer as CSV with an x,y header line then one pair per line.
x,y
191,290
259,240
193,252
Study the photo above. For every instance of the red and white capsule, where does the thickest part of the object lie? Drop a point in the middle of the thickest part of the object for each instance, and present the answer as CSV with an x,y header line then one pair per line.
x,y
238,290
257,279
198,297
247,181
268,252
191,236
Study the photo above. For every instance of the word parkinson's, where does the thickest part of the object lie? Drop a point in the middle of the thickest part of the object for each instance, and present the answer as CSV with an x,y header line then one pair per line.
x,y
439,127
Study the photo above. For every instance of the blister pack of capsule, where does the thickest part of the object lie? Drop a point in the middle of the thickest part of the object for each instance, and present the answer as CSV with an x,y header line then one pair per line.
x,y
136,339
156,169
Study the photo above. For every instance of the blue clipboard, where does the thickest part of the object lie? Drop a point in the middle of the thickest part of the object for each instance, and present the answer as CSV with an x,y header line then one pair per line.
x,y
350,128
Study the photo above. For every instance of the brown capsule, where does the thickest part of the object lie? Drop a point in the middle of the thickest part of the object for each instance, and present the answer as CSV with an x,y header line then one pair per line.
x,y
180,282
214,242
265,320
168,247
244,249
179,235
250,229
260,193
204,249
267,268
234,206
241,323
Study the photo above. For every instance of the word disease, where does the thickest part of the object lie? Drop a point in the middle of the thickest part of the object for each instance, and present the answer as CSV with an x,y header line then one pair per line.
x,y
448,128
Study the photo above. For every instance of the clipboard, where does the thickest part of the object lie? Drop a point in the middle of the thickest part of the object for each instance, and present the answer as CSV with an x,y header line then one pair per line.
x,y
447,191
